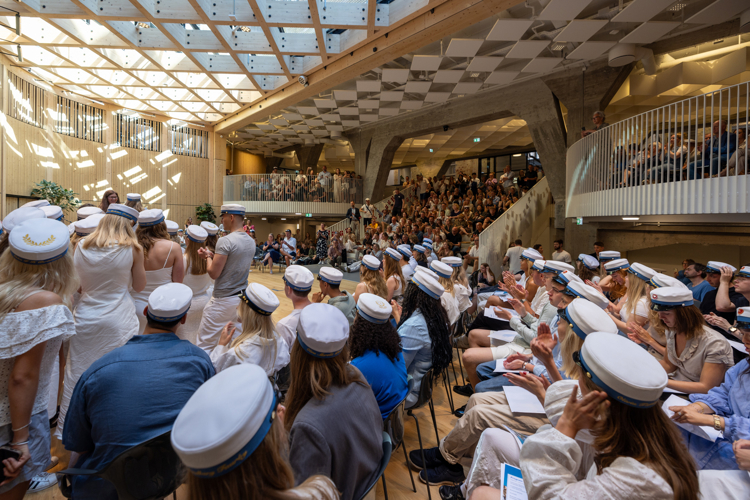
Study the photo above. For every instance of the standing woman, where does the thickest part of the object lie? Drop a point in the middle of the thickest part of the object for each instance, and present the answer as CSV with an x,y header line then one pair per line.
x,y
371,279
258,343
188,222
162,259
213,234
197,278
109,262
337,177
230,436
394,278
109,197
36,288
133,200
322,246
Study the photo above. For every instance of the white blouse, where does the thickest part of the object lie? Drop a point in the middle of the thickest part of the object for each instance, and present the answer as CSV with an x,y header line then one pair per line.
x,y
256,351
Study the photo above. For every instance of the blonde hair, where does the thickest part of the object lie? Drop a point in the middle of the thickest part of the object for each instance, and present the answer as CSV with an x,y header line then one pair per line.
x,y
374,281
447,284
112,230
134,204
74,239
17,280
459,276
257,325
193,261
636,290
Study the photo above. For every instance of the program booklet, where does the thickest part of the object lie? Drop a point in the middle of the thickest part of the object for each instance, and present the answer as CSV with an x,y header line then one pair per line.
x,y
512,483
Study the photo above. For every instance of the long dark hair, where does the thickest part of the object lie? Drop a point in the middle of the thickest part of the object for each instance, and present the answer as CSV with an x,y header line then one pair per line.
x,y
367,336
104,204
437,323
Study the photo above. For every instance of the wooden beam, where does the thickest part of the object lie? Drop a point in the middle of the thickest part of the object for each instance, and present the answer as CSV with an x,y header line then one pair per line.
x,y
371,5
320,34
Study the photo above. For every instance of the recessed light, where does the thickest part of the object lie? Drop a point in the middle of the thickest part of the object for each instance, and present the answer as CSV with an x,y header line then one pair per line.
x,y
631,218
297,214
614,32
263,218
283,218
475,75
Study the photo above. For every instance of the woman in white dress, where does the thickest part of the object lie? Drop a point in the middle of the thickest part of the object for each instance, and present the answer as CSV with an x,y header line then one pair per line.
x,y
258,343
197,278
162,259
109,262
394,277
448,299
461,289
37,281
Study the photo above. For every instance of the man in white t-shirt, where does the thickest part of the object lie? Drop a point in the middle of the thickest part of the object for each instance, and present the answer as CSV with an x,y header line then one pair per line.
x,y
289,247
513,257
422,188
561,255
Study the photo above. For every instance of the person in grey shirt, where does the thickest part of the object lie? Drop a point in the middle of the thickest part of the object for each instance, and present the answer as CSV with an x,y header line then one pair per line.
x,y
561,254
325,436
330,279
229,266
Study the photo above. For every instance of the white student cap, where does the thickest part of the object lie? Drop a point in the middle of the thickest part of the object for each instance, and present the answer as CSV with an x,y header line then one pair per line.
x,y
371,262
419,248
668,297
84,212
373,308
224,421
555,266
88,225
169,302
322,331
531,254
429,272
52,212
585,317
260,299
172,227
714,266
233,209
616,265
426,240
539,265
659,280
36,204
405,249
330,275
744,272
622,369
149,218
427,244
452,261
123,211
393,253
441,269
133,197
589,261
589,293
743,317
566,277
299,278
606,255
21,215
196,234
641,271
428,284
39,241
210,227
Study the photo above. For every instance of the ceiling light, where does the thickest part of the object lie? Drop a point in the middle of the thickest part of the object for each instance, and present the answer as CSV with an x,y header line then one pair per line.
x,y
614,32
475,75
519,154
244,29
431,150
676,7
558,46
297,213
631,218
283,218
263,218
143,25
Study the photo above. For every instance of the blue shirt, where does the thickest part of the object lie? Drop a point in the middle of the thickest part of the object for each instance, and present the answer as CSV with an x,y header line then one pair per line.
x,y
387,378
129,396
417,346
700,290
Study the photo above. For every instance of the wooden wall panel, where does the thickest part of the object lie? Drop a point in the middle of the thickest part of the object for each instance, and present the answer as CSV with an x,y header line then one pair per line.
x,y
245,163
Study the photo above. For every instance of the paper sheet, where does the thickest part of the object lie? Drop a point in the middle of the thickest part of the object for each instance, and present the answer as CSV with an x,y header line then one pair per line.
x,y
489,312
737,345
499,368
503,295
703,431
503,335
522,401
672,391
512,483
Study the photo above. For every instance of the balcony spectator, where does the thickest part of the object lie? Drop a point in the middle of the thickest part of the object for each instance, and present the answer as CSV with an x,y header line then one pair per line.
x,y
738,161
507,178
324,177
716,151
599,123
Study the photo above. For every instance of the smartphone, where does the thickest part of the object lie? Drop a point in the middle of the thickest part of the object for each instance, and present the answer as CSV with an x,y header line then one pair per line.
x,y
5,453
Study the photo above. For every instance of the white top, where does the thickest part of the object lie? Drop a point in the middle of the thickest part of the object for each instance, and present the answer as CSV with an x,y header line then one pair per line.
x,y
399,289
198,283
287,327
289,244
21,332
641,309
562,256
514,256
463,296
407,271
256,351
450,304
540,300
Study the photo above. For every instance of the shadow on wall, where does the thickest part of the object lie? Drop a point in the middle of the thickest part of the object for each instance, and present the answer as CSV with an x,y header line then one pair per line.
x,y
668,258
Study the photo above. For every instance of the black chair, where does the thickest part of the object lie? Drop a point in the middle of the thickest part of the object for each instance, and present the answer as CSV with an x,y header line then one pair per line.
x,y
393,424
387,448
147,471
425,398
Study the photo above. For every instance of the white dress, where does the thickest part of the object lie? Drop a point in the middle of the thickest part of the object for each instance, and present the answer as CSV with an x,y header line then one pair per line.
x,y
252,351
105,316
202,287
450,304
463,296
154,279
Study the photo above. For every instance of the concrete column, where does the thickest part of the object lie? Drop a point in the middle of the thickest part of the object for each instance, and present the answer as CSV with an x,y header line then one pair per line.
x,y
308,156
373,156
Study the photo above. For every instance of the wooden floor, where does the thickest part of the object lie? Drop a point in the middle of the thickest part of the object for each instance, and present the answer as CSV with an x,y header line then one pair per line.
x,y
397,474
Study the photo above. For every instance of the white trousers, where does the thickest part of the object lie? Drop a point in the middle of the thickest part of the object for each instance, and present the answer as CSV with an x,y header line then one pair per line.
x,y
217,313
495,447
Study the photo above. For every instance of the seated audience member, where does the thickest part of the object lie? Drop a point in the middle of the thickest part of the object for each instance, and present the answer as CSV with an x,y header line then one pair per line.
x,y
231,438
588,268
325,435
634,306
258,343
485,278
737,163
371,279
376,352
393,274
298,282
329,281
152,370
725,408
697,357
462,290
271,254
709,307
444,276
423,328
696,273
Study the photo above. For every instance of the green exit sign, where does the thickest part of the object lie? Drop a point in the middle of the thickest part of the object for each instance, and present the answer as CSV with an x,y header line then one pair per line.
x,y
308,215
476,139
579,221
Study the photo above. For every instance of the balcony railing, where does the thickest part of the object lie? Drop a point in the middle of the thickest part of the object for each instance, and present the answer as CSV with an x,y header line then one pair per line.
x,y
680,159
285,194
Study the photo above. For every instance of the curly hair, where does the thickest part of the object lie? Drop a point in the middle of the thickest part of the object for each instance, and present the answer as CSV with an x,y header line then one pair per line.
x,y
367,336
437,324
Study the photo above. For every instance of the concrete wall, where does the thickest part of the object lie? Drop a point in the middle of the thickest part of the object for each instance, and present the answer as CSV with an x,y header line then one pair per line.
x,y
429,168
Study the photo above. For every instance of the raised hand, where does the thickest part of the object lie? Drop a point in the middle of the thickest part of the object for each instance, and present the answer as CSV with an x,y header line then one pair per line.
x,y
594,285
581,414
532,383
518,306
640,333
226,333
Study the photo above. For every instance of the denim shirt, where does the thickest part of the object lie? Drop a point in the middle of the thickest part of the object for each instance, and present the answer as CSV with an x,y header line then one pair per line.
x,y
417,348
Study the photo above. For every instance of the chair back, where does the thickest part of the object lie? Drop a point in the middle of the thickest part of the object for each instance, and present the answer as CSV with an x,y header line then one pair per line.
x,y
393,424
387,449
425,391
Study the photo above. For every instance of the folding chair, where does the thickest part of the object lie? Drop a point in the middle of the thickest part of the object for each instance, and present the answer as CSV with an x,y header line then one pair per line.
x,y
387,448
393,424
425,398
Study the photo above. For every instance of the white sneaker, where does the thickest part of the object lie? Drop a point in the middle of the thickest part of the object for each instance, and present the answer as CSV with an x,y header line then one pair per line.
x,y
43,481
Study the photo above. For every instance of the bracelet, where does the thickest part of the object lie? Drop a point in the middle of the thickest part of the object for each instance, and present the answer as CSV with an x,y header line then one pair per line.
x,y
21,428
717,422
20,443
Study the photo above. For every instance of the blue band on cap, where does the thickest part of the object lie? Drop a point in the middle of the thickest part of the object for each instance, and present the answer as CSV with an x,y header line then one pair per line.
x,y
235,460
457,264
425,289
61,218
393,322
639,275
392,257
152,223
673,304
314,353
619,268
371,268
560,280
296,287
567,288
746,323
654,283
371,319
576,328
743,274
418,250
253,305
439,273
38,262
165,319
602,259
523,257
550,270
82,234
121,213
191,238
710,269
404,252
329,280
233,212
635,403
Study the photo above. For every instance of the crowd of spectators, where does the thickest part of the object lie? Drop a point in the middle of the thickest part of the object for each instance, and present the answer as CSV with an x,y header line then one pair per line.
x,y
303,186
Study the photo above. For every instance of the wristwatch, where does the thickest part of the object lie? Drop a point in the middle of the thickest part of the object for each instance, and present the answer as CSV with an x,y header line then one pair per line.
x,y
733,330
717,422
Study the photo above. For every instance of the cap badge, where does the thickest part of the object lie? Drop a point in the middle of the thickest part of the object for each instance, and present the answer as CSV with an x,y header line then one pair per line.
x,y
27,239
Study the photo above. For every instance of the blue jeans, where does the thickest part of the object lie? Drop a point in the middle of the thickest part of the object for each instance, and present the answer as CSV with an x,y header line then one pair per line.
x,y
490,381
712,165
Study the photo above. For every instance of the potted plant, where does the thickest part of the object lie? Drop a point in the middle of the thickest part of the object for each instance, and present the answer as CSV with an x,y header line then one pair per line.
x,y
205,212
55,194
